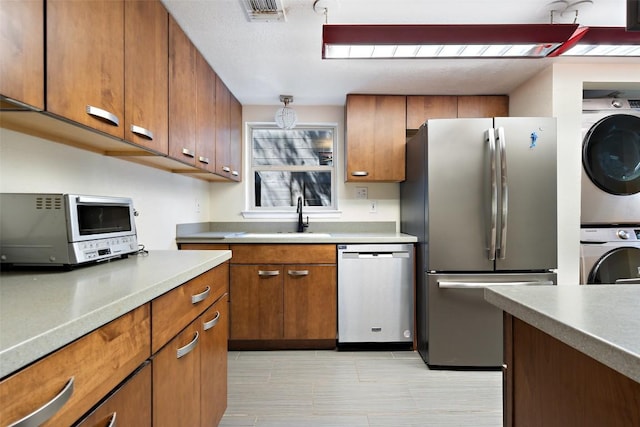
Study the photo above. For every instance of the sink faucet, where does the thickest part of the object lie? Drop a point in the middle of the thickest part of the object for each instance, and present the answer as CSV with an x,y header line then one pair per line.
x,y
301,225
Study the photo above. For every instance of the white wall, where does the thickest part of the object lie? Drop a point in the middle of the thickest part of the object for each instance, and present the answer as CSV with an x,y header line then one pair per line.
x,y
29,164
229,200
557,91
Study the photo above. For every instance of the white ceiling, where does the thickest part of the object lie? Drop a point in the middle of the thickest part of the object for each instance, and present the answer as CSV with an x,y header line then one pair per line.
x,y
261,60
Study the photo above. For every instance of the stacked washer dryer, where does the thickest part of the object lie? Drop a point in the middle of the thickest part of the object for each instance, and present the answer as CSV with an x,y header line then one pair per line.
x,y
610,207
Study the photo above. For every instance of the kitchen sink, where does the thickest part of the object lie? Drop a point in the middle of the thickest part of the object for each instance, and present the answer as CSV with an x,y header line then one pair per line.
x,y
283,235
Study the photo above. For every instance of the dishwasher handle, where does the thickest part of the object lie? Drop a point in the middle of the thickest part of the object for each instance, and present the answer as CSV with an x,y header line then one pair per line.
x,y
375,255
481,285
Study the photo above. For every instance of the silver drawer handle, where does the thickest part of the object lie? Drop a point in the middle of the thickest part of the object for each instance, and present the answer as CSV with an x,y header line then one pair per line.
x,y
183,351
226,169
359,173
268,272
188,152
480,285
235,173
48,410
211,323
202,159
201,296
112,421
103,114
139,130
298,272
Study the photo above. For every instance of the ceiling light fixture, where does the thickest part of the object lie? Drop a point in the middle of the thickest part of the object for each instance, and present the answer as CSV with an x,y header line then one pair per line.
x,y
443,41
605,41
286,116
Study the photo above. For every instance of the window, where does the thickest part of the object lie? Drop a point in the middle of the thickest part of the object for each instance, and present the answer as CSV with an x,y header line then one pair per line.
x,y
291,163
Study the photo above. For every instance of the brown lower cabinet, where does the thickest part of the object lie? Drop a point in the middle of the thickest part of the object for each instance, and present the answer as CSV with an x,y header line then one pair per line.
x,y
128,405
115,369
548,383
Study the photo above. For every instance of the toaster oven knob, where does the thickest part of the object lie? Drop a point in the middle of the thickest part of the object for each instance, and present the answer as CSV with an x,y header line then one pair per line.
x,y
3,257
623,234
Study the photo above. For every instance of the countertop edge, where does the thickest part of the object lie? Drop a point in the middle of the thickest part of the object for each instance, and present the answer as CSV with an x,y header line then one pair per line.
x,y
598,348
14,358
336,238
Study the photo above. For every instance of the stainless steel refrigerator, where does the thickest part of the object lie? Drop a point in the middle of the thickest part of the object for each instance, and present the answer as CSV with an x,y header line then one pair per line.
x,y
480,195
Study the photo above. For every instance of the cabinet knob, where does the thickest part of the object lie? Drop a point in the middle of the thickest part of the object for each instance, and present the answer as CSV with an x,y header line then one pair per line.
x,y
188,152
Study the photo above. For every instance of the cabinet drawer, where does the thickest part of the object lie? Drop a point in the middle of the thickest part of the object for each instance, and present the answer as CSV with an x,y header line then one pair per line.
x,y
177,308
97,362
129,405
283,254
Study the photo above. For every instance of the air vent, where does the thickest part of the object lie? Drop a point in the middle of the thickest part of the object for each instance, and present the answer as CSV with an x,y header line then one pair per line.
x,y
264,10
49,203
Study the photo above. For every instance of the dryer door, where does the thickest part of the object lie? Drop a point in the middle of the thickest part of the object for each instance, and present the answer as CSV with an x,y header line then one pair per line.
x,y
618,266
611,154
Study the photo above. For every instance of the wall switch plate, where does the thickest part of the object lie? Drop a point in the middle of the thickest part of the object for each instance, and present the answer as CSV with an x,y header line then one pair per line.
x,y
362,192
197,205
373,206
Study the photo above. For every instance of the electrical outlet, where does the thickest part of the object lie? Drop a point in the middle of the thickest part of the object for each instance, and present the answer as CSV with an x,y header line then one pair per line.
x,y
362,193
373,206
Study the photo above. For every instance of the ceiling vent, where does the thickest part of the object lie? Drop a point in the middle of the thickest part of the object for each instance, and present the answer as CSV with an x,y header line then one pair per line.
x,y
264,10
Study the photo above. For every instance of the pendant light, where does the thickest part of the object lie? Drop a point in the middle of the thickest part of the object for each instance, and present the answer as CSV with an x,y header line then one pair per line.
x,y
286,116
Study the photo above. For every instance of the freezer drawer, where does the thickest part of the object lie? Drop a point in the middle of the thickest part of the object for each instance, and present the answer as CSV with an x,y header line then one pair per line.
x,y
463,329
375,293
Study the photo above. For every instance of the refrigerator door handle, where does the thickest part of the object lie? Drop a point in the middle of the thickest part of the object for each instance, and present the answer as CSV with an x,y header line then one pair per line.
x,y
480,285
493,226
504,195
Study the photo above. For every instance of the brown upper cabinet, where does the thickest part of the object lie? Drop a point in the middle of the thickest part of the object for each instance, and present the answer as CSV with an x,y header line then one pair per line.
x,y
182,95
205,115
22,52
85,63
107,67
375,138
470,106
146,74
228,131
422,108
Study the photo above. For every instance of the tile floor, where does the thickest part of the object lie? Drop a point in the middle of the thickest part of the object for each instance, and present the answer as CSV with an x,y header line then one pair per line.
x,y
358,388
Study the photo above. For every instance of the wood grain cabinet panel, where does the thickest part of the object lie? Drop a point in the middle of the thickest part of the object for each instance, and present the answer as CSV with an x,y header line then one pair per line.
x,y
146,74
483,106
97,362
177,308
310,301
422,108
375,138
128,405
182,95
235,138
223,129
205,115
85,63
213,362
22,52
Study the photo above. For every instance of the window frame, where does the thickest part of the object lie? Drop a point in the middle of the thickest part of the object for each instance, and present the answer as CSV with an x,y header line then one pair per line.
x,y
252,211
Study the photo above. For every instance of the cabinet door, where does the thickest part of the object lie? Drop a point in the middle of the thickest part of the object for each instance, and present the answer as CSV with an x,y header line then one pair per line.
x,y
376,135
223,129
85,63
97,363
483,106
310,302
205,115
22,51
235,139
129,405
182,95
176,380
421,108
213,362
256,302
146,74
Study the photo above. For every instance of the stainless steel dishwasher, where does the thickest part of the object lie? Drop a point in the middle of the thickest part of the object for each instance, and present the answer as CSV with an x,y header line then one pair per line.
x,y
375,293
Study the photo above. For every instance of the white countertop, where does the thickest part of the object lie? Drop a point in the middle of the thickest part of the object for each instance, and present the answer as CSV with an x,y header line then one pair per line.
x,y
41,311
296,238
602,321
